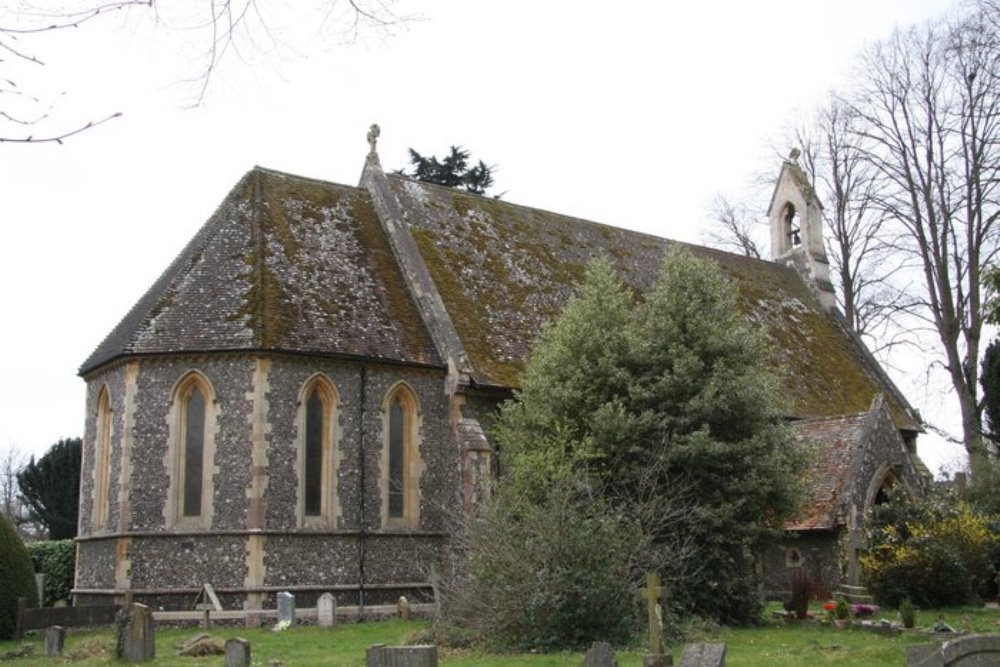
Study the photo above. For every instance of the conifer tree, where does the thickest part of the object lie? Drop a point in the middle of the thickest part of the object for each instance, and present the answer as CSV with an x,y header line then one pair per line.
x,y
51,488
17,577
678,384
453,171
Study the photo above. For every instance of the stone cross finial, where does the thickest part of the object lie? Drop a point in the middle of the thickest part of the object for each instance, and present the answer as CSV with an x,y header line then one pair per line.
x,y
373,133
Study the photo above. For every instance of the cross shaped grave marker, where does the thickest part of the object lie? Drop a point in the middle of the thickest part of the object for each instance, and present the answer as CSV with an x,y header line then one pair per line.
x,y
207,601
652,594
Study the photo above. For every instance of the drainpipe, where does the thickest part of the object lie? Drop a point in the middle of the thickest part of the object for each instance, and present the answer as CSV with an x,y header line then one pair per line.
x,y
361,468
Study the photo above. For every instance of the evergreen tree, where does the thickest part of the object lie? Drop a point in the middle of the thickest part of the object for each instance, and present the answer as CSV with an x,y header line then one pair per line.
x,y
990,380
677,384
17,578
51,488
453,171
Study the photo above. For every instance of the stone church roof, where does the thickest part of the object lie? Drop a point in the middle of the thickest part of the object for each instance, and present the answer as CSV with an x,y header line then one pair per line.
x,y
503,270
834,444
298,265
285,264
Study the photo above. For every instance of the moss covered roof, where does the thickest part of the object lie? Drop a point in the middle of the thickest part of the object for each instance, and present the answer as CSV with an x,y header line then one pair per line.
x,y
504,270
834,444
293,264
285,264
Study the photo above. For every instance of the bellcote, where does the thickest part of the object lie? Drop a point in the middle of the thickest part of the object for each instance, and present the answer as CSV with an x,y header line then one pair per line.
x,y
796,220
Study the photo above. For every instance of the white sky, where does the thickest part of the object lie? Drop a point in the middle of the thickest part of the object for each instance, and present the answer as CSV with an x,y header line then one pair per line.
x,y
630,113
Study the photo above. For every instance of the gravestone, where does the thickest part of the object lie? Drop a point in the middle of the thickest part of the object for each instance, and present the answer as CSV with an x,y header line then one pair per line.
x,y
237,652
135,634
600,655
704,655
40,587
652,594
286,608
403,608
55,638
326,611
380,655
969,650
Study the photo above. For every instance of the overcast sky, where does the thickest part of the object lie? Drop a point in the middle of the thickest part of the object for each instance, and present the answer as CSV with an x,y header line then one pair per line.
x,y
629,113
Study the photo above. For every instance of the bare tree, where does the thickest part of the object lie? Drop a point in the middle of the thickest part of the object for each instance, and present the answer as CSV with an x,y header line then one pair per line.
x,y
12,461
864,266
214,32
929,110
736,227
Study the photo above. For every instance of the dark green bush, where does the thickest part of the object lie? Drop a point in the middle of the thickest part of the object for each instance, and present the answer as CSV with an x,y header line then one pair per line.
x,y
553,575
16,577
56,559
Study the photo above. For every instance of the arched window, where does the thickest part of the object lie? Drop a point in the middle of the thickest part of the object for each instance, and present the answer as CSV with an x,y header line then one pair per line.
x,y
192,450
102,459
316,462
401,465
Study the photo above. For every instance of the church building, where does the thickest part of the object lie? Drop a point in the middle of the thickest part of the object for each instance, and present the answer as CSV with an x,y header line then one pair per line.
x,y
302,401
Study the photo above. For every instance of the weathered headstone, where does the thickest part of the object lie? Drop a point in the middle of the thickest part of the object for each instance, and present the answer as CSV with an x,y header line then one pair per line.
x,y
704,655
971,650
380,655
652,594
326,610
40,587
135,634
286,607
55,638
403,608
237,652
600,654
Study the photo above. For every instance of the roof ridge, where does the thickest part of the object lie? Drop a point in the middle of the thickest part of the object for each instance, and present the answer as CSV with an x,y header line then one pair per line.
x,y
526,207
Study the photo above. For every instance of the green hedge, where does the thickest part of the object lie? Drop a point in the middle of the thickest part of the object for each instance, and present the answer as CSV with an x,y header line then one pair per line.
x,y
16,577
56,559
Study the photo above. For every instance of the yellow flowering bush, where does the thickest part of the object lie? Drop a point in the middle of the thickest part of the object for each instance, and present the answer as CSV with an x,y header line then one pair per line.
x,y
936,552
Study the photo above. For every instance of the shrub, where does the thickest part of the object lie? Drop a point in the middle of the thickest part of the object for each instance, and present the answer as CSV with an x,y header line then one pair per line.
x,y
907,614
801,594
842,610
936,552
560,568
56,559
16,577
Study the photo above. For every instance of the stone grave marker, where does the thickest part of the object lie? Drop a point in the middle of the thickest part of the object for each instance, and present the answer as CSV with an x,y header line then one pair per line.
x,y
403,608
652,594
286,608
600,654
704,655
326,611
972,650
237,652
135,634
380,655
55,638
40,587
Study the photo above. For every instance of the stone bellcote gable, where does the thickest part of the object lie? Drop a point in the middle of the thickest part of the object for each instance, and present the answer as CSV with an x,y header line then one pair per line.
x,y
796,221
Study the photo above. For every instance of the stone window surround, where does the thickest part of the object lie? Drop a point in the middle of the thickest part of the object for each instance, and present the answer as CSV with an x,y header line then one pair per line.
x,y
174,459
413,466
330,507
102,459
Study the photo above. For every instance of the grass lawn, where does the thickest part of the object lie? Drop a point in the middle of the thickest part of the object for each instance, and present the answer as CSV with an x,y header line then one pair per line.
x,y
773,645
